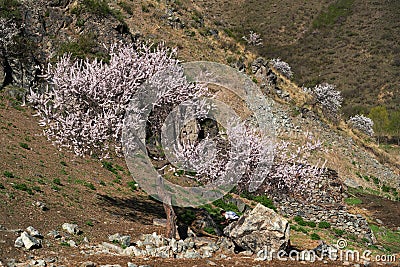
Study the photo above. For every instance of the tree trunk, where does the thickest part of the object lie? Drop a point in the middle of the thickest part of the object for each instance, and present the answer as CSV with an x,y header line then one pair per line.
x,y
171,220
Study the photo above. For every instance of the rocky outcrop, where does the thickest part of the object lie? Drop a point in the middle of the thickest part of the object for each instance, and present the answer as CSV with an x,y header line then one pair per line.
x,y
45,31
262,227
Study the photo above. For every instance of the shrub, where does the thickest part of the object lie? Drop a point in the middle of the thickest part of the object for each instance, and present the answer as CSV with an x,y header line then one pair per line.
x,y
385,188
109,166
311,224
24,145
57,181
8,174
375,180
338,232
23,187
63,163
262,199
315,236
300,221
2,186
324,225
132,185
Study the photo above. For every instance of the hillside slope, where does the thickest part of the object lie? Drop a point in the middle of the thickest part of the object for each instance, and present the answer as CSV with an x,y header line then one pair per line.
x,y
353,44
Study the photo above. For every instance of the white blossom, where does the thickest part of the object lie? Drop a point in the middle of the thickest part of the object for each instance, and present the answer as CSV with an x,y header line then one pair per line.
x,y
253,39
84,104
328,98
362,123
282,67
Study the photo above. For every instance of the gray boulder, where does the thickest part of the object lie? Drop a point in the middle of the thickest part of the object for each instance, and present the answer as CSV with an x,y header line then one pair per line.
x,y
27,241
258,229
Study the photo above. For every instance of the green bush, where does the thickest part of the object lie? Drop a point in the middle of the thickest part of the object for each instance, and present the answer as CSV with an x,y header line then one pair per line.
x,y
84,47
63,163
132,185
300,221
90,186
57,181
24,145
375,179
225,205
311,224
263,199
315,236
2,186
8,174
338,232
109,166
324,225
385,188
23,187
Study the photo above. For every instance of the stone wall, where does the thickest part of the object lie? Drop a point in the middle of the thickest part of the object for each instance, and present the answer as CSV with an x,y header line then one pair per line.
x,y
336,215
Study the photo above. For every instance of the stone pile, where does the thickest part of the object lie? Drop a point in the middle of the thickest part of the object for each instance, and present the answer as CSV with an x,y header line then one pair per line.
x,y
154,245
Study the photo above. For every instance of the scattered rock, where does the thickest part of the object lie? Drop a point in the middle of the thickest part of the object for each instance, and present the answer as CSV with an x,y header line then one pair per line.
x,y
2,228
379,221
55,234
72,243
27,241
38,263
33,232
113,247
124,240
71,228
130,264
211,263
88,264
259,228
41,205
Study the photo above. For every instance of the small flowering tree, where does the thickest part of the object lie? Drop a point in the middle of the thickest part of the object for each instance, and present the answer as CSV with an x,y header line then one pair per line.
x,y
84,104
282,67
327,98
253,39
362,123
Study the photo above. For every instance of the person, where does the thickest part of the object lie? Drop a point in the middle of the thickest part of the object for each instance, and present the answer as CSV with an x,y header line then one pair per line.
x,y
229,216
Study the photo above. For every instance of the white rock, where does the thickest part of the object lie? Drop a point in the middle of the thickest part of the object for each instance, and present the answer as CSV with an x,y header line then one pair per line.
x,y
71,228
28,241
33,232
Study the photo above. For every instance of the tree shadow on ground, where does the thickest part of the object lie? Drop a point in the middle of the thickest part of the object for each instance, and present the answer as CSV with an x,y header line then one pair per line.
x,y
136,208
